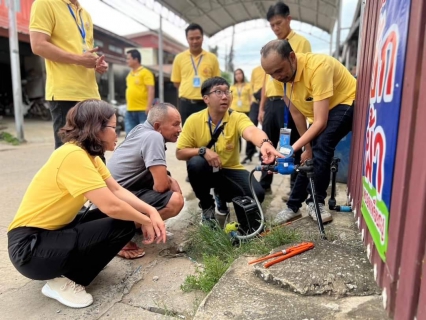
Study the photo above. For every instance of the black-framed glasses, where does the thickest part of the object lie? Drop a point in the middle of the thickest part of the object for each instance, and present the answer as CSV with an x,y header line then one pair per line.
x,y
220,93
110,127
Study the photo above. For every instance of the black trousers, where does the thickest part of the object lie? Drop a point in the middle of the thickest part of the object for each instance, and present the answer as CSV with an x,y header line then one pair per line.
x,y
78,251
273,121
188,107
253,115
228,183
59,110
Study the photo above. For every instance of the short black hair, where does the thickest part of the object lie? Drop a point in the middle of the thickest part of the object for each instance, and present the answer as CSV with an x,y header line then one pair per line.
x,y
278,9
244,77
210,83
135,54
282,47
193,26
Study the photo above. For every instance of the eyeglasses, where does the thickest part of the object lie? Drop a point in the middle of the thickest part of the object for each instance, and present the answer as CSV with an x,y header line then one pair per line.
x,y
220,93
110,127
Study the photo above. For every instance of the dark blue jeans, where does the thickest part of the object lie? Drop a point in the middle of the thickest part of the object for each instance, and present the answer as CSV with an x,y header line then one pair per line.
x,y
133,118
339,124
59,111
228,183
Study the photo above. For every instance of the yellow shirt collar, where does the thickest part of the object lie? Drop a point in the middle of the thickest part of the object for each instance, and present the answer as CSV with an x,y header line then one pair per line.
x,y
206,116
290,35
300,66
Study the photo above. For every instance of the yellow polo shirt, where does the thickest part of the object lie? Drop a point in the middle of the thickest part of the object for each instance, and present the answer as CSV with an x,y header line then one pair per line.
x,y
320,77
183,72
56,193
65,82
241,97
299,43
137,91
196,134
257,79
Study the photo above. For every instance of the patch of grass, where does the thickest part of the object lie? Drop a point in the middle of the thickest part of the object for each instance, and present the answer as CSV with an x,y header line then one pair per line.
x,y
7,137
204,280
216,251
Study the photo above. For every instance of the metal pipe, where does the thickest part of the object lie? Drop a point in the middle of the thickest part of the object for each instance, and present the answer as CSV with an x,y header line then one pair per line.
x,y
111,84
339,26
16,72
160,61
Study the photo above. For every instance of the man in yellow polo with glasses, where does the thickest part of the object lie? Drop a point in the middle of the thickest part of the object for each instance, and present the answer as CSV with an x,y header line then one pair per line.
x,y
321,91
215,163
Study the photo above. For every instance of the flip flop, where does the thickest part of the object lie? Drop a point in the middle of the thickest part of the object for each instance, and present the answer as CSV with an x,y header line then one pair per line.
x,y
128,249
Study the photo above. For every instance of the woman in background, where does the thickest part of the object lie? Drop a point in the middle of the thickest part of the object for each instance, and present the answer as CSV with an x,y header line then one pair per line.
x,y
242,98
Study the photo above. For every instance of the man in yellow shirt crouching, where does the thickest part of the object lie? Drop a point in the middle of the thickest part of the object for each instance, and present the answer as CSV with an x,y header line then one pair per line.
x,y
321,90
218,166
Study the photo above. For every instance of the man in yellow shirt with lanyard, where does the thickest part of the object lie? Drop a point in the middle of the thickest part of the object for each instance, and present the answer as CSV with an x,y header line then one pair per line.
x,y
140,91
321,90
272,106
216,163
190,69
61,31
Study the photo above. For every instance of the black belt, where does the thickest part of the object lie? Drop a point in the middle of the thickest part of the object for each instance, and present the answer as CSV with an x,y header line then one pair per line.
x,y
192,100
275,98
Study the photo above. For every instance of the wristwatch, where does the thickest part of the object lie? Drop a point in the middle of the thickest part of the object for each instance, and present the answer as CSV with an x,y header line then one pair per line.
x,y
202,151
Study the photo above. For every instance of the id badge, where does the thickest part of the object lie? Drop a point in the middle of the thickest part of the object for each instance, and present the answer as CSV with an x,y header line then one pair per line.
x,y
215,169
196,82
239,103
84,47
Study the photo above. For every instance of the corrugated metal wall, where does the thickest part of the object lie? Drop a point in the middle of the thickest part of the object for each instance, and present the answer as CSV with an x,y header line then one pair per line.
x,y
403,276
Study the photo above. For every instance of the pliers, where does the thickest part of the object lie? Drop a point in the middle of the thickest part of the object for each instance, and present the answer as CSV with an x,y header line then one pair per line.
x,y
286,253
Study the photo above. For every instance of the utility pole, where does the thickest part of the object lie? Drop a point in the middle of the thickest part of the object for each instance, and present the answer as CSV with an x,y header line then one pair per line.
x,y
16,71
160,61
339,29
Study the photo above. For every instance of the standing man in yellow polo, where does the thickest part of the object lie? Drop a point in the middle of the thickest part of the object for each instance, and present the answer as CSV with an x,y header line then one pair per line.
x,y
61,32
140,91
273,113
190,69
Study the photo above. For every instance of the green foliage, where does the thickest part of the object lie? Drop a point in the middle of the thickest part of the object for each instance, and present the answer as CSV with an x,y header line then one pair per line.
x,y
228,76
7,137
217,252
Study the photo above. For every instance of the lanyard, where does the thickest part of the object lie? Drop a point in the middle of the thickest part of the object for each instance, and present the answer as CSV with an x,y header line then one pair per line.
x,y
215,129
82,31
193,64
287,108
239,92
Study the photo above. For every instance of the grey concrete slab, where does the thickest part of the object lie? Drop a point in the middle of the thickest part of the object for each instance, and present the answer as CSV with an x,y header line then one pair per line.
x,y
125,311
240,295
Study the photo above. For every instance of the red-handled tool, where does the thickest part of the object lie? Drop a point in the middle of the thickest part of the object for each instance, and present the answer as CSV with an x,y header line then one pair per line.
x,y
286,253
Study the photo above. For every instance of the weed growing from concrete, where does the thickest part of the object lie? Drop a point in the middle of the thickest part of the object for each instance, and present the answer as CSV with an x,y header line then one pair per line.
x,y
217,252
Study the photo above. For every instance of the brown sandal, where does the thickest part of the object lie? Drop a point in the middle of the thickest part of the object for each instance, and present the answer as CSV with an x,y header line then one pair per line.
x,y
131,251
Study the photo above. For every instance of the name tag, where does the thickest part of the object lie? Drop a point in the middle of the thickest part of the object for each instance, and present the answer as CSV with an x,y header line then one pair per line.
x,y
239,103
196,82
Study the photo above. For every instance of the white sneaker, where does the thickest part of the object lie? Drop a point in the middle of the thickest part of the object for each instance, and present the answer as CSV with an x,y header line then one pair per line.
x,y
67,292
286,215
325,215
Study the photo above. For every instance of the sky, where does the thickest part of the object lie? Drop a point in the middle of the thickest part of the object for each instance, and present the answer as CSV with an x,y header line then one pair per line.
x,y
131,16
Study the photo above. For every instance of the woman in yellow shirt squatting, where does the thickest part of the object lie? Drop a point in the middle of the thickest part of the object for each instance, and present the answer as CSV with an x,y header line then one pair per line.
x,y
242,97
47,240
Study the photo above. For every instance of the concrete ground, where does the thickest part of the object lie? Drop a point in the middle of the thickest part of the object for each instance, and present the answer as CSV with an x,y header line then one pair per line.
x,y
149,288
